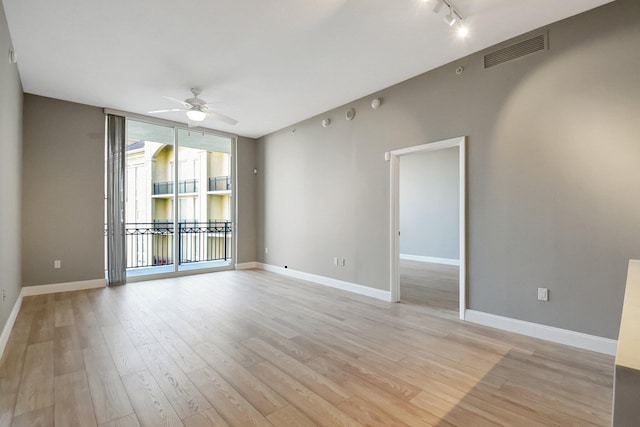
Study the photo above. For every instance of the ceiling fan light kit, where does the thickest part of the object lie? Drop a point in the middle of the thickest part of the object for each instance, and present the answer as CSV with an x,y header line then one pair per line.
x,y
196,109
196,115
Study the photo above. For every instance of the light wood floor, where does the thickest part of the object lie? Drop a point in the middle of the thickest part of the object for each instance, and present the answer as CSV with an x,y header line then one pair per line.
x,y
251,348
434,285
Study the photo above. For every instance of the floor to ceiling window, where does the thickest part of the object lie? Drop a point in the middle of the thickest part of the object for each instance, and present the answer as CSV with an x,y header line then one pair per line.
x,y
178,205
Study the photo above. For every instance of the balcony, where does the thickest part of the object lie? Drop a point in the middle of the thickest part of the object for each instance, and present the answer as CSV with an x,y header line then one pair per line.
x,y
220,183
184,186
151,244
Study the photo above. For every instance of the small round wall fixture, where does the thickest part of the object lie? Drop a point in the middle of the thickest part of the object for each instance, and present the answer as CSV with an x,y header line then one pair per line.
x,y
376,103
459,70
351,114
326,122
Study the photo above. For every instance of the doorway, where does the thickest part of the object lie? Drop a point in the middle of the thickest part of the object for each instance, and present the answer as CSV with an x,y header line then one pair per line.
x,y
414,265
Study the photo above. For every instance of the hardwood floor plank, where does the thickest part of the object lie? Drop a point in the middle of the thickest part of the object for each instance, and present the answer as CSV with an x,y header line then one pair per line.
x,y
124,354
128,421
226,400
208,418
43,319
255,391
181,353
305,400
369,414
151,405
42,417
385,401
87,327
373,375
138,333
311,379
290,417
63,313
7,405
110,400
182,394
67,354
234,349
100,307
73,405
36,385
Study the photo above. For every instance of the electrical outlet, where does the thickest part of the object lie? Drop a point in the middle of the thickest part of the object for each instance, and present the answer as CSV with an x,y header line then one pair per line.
x,y
343,262
57,264
4,296
266,250
543,294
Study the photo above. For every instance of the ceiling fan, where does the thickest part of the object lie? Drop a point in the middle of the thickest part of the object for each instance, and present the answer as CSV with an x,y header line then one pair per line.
x,y
197,109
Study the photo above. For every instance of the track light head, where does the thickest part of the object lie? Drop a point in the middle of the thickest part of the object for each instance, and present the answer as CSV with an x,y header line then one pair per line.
x,y
450,18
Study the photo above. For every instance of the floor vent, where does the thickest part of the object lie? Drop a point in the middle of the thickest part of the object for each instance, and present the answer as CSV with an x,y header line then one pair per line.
x,y
518,50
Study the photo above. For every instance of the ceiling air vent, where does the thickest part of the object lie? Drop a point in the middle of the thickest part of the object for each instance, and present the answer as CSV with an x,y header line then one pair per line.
x,y
518,50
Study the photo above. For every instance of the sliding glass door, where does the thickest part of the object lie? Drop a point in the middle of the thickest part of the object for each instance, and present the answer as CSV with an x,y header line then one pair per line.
x,y
204,200
178,199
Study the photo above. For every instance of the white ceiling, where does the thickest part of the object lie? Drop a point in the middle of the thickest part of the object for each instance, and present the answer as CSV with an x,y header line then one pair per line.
x,y
272,62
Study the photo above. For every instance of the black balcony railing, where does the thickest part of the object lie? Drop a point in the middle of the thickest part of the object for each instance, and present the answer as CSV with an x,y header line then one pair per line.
x,y
205,241
184,186
151,244
219,183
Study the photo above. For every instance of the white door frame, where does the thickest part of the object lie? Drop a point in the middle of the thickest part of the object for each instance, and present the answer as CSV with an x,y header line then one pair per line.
x,y
394,176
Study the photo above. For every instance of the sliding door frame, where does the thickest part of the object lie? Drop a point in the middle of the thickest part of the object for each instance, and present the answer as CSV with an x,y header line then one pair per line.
x,y
234,196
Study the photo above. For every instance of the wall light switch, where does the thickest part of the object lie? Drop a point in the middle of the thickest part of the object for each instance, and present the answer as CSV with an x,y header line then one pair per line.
x,y
57,264
335,260
543,294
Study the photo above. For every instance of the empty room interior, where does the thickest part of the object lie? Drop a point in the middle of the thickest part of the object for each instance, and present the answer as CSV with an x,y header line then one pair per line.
x,y
338,213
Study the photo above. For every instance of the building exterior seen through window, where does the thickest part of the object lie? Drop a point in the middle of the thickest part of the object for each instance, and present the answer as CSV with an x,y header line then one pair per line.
x,y
193,185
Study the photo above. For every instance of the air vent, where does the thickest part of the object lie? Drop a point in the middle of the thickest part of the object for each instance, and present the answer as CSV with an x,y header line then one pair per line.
x,y
518,50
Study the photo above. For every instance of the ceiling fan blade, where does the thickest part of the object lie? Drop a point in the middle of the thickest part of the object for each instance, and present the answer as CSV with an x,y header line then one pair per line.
x,y
165,111
221,117
184,104
218,103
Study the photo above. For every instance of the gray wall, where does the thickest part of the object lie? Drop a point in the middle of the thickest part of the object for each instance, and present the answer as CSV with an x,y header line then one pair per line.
x,y
429,204
10,174
246,148
553,175
63,191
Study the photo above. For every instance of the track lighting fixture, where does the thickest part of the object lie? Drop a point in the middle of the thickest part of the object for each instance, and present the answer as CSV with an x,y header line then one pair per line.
x,y
453,17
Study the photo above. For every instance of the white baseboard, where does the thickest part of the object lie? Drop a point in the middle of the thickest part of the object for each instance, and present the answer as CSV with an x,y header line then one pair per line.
x,y
8,327
246,265
328,281
63,287
549,333
431,259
